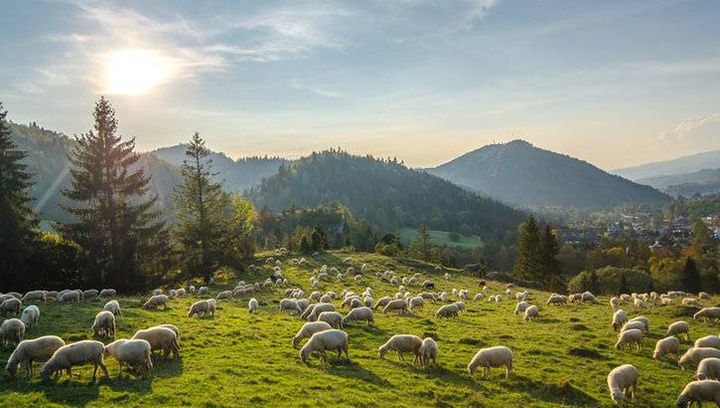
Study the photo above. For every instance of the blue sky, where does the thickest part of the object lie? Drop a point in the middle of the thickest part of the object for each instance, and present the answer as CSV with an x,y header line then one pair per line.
x,y
616,83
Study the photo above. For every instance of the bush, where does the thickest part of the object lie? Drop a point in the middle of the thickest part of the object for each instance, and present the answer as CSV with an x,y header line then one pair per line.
x,y
611,280
454,237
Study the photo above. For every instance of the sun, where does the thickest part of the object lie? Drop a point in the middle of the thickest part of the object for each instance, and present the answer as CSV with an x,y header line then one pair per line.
x,y
136,71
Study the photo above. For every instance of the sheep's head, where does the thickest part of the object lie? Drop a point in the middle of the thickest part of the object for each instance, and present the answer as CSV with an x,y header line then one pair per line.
x,y
11,368
619,345
304,353
617,396
383,350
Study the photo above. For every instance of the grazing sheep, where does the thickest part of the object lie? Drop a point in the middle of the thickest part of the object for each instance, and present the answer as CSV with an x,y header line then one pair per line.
x,y
416,303
108,293
708,341
75,354
225,294
34,295
11,307
331,339
203,291
358,314
30,316
632,336
319,308
156,301
694,355
134,354
90,294
201,307
677,328
397,305
667,345
446,311
160,338
382,302
113,307
252,305
12,330
699,391
704,295
622,382
614,302
492,357
402,343
334,319
104,324
428,351
478,297
308,329
691,302
181,293
68,297
531,313
619,318
156,292
708,313
289,305
588,297
28,351
644,320
556,299
520,307
708,369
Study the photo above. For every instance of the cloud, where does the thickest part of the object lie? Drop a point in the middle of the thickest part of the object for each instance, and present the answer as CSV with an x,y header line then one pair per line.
x,y
688,126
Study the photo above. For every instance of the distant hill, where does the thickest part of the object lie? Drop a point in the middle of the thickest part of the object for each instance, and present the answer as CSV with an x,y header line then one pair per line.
x,y
523,175
237,175
681,165
386,194
703,182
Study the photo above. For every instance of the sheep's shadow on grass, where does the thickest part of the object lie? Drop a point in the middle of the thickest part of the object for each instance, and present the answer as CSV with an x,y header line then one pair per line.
x,y
67,392
142,385
351,369
165,368
443,374
564,393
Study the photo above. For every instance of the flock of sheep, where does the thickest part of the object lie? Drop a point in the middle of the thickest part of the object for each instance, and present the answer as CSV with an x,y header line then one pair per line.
x,y
324,324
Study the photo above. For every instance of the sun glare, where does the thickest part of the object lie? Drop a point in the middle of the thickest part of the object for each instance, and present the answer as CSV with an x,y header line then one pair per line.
x,y
133,72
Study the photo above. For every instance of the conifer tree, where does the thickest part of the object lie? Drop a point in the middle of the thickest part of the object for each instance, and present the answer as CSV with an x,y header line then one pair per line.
x,y
550,269
691,276
527,263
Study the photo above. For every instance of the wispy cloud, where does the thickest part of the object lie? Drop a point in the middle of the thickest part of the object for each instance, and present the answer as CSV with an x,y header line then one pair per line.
x,y
688,126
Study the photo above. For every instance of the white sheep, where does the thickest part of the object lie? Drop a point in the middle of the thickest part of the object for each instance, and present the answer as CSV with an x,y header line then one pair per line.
x,y
708,369
34,295
708,341
520,307
331,339
156,301
113,307
201,307
644,320
160,338
134,354
252,305
492,357
104,324
614,302
289,305
397,305
699,391
319,308
557,299
622,382
402,343
708,313
308,329
694,355
631,336
11,306
677,328
447,311
225,294
28,351
334,319
428,351
30,316
75,354
108,293
667,345
416,302
382,302
531,313
359,314
203,291
12,330
619,319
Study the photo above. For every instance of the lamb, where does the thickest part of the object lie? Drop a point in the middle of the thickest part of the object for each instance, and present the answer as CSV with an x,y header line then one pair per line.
x,y
619,318
30,316
492,357
75,354
699,391
12,330
11,306
400,305
113,307
531,313
331,339
160,338
156,301
28,351
428,351
708,313
677,328
201,306
134,354
446,311
402,343
334,319
708,341
308,329
252,305
34,295
319,308
708,369
289,305
667,345
108,293
104,324
631,336
696,354
622,382
360,313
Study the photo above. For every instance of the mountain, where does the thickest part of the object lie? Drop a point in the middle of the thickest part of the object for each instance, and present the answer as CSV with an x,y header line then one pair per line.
x,y
385,193
237,175
703,182
523,175
681,165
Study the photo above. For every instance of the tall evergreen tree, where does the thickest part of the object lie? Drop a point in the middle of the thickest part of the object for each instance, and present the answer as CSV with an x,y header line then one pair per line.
x,y
424,241
691,279
550,269
18,224
527,263
115,219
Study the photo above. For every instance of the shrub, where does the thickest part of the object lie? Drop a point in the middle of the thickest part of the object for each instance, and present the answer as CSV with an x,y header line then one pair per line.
x,y
611,280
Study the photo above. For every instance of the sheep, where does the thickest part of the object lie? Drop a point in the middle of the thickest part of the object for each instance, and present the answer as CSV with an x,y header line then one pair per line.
x,y
191,289
75,354
531,313
225,294
203,291
28,351
201,306
708,313
399,305
428,284
382,302
478,297
156,292
30,316
69,297
699,391
319,308
622,382
614,302
360,313
556,299
704,295
708,369
492,357
108,293
402,343
135,354
308,329
181,293
90,294
160,338
12,330
694,355
289,305
667,345
156,301
303,304
34,295
588,297
446,311
520,307
11,307
428,351
619,318
252,305
335,319
708,341
104,324
677,328
330,339
631,336
113,307
691,302
642,319
416,303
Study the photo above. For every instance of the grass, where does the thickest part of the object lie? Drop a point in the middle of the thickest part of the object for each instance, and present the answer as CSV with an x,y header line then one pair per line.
x,y
236,359
441,238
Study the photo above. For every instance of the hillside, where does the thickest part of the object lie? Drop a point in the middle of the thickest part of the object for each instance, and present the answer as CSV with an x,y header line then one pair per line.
x,y
237,175
681,165
236,360
523,175
703,182
386,194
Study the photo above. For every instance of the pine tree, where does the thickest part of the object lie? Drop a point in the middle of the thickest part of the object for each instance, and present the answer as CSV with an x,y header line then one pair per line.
x,y
550,269
691,280
527,263
115,219
424,241
18,223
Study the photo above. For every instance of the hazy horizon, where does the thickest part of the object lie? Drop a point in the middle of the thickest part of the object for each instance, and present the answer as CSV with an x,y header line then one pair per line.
x,y
616,84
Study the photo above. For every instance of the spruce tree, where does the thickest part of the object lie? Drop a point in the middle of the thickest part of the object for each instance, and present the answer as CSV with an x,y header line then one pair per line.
x,y
115,217
549,269
527,263
424,241
691,280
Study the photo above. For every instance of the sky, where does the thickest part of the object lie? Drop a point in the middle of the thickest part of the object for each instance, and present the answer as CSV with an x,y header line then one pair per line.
x,y
616,83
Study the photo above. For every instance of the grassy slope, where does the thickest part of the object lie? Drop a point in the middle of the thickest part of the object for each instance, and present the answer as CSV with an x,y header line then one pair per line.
x,y
441,238
241,360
